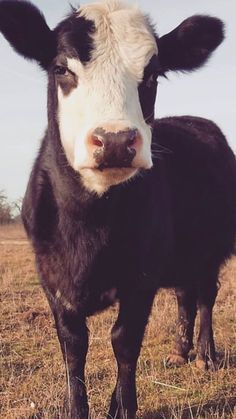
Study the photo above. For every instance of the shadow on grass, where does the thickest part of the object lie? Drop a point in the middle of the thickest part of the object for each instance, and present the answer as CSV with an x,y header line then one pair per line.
x,y
213,409
224,360
225,408
43,414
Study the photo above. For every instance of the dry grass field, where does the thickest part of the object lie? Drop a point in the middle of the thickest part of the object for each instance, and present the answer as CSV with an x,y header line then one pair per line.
x,y
31,369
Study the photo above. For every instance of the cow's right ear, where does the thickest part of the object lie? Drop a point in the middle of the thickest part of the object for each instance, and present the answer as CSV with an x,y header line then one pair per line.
x,y
23,25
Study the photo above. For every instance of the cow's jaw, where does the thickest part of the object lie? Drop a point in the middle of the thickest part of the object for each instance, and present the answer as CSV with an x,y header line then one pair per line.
x,y
99,181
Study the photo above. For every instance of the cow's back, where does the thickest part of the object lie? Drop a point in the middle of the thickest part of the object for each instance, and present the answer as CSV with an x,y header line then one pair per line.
x,y
201,171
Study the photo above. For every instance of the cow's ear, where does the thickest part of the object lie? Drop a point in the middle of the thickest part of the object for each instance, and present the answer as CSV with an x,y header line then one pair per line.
x,y
25,28
189,45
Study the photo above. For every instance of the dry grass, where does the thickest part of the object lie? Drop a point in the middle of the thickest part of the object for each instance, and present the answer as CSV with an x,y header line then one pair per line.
x,y
32,372
12,232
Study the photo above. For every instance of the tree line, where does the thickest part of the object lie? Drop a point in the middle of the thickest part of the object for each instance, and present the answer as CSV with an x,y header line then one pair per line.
x,y
9,211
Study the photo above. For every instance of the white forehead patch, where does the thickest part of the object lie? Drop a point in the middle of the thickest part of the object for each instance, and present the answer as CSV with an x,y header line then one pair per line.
x,y
122,31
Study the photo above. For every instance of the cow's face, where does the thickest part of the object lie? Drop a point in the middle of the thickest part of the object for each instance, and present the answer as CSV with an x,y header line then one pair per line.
x,y
103,62
103,122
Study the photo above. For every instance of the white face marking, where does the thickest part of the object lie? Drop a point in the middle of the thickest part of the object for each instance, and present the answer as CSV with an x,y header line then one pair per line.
x,y
107,90
100,182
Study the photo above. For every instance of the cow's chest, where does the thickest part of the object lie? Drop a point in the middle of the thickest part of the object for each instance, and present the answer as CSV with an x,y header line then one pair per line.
x,y
89,270
122,243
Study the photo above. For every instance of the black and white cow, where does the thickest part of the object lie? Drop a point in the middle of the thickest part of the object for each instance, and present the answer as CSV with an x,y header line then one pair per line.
x,y
118,204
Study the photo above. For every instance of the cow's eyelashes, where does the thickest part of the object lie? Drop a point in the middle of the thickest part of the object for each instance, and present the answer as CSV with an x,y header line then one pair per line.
x,y
60,70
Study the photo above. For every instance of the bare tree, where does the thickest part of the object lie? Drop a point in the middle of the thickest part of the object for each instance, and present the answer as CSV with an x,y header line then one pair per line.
x,y
16,210
5,209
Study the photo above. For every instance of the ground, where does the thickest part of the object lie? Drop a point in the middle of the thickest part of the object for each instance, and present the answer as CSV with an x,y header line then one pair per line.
x,y
31,368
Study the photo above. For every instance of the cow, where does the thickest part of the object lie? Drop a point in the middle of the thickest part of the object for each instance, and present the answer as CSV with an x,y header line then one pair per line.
x,y
119,204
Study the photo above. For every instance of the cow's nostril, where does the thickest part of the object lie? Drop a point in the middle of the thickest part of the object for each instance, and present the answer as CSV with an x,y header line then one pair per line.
x,y
97,141
132,140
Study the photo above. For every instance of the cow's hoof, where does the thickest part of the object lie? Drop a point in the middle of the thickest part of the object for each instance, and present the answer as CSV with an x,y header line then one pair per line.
x,y
206,365
174,360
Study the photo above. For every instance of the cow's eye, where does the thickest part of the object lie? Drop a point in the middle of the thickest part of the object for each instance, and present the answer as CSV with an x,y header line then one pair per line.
x,y
60,70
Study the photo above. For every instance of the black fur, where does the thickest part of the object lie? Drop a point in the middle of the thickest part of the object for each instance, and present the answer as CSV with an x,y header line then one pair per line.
x,y
148,88
74,37
189,45
171,226
25,28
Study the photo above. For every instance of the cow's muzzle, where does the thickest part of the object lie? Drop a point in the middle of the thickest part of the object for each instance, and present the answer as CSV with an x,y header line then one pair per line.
x,y
113,149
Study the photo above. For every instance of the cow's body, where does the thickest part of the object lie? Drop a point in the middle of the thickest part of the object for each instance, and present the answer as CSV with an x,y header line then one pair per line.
x,y
112,217
171,223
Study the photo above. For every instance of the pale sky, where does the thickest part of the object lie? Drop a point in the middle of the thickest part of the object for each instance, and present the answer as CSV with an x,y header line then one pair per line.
x,y
209,92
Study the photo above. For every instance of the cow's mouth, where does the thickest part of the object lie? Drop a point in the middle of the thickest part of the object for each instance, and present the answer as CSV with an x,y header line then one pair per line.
x,y
100,179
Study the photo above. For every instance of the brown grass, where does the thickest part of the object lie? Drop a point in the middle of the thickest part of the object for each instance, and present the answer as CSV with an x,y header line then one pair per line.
x,y
12,232
32,373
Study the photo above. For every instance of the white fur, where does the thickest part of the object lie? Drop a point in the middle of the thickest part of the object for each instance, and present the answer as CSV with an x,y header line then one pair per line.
x,y
107,90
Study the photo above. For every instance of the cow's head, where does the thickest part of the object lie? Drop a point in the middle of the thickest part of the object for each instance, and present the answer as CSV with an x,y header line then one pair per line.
x,y
103,63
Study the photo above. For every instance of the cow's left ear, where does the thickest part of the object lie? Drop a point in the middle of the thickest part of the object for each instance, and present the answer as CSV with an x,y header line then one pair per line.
x,y
26,30
189,45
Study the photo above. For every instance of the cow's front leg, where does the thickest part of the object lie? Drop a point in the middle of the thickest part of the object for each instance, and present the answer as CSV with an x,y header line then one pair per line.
x,y
73,336
127,336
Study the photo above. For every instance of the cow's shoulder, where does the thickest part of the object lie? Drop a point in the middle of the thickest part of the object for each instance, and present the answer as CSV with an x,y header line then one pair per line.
x,y
190,132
